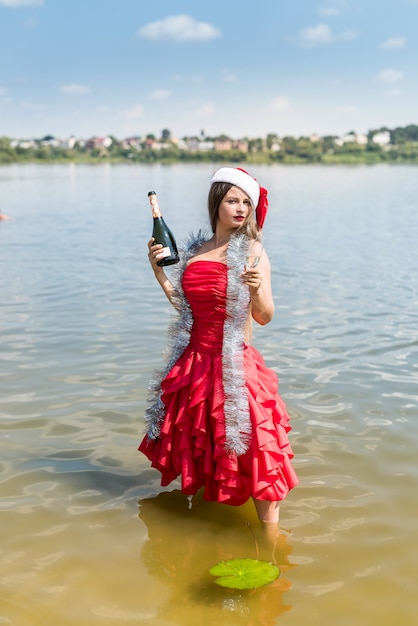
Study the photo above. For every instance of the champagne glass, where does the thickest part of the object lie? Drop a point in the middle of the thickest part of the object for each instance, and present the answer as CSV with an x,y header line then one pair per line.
x,y
251,262
252,259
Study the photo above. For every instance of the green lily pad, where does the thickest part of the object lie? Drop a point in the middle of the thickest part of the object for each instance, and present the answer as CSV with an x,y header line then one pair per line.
x,y
244,573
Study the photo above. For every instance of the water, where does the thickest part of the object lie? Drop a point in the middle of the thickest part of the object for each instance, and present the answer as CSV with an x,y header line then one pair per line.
x,y
82,328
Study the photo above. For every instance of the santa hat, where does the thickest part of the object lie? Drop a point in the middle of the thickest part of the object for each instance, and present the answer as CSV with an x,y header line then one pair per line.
x,y
240,178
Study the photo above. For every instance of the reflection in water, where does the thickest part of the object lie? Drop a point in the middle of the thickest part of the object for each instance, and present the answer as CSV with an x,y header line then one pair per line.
x,y
184,543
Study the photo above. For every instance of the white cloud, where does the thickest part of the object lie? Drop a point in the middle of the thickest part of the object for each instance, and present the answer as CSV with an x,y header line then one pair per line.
x,y
3,91
322,34
205,110
179,28
389,76
313,35
21,3
393,43
279,104
134,113
159,94
75,90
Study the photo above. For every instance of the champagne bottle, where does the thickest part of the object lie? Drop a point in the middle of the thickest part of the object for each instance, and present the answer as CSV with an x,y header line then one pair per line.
x,y
162,234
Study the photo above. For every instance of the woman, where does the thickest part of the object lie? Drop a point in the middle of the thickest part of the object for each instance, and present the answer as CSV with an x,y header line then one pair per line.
x,y
216,418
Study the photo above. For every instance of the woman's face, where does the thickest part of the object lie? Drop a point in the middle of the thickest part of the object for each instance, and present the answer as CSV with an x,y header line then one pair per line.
x,y
234,208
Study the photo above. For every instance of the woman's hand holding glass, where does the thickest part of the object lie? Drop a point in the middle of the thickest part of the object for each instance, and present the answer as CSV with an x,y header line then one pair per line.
x,y
251,276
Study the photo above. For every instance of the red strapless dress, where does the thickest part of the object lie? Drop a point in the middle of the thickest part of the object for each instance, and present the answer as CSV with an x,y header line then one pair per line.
x,y
192,439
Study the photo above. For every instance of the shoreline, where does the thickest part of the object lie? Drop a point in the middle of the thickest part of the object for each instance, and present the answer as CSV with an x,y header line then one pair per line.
x,y
338,160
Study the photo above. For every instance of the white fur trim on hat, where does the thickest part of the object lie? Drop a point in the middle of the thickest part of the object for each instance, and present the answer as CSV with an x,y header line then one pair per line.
x,y
239,179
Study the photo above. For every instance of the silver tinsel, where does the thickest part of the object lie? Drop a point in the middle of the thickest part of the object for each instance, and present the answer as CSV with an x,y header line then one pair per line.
x,y
237,414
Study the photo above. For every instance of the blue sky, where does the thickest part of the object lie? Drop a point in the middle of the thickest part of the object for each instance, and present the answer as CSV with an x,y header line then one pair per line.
x,y
124,67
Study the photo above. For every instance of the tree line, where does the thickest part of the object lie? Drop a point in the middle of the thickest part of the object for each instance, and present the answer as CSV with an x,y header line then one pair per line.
x,y
402,147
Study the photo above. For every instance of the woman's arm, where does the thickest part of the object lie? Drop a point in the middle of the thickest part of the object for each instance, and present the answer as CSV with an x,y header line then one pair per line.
x,y
258,280
154,255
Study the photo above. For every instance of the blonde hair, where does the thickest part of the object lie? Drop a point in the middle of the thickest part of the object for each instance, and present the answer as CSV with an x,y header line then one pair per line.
x,y
217,191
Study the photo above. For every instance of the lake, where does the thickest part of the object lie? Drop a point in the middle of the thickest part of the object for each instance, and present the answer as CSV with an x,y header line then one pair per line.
x,y
88,535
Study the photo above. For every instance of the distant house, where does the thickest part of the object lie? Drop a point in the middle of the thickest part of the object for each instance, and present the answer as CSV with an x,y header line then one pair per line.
x,y
24,144
351,138
192,144
382,138
50,142
362,140
99,143
160,145
223,143
132,142
241,145
68,143
206,146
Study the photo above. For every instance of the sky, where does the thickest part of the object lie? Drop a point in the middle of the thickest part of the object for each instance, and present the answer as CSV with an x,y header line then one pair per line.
x,y
240,68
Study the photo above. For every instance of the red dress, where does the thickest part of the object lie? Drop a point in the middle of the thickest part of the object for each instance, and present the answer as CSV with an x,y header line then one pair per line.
x,y
191,443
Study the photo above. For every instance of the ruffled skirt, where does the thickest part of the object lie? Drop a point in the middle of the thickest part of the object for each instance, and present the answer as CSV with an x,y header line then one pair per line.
x,y
192,439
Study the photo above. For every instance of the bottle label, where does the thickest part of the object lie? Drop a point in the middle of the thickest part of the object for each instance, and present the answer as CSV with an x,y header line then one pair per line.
x,y
164,252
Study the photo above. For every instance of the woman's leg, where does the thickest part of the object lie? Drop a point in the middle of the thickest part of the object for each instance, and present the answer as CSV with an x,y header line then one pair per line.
x,y
267,511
